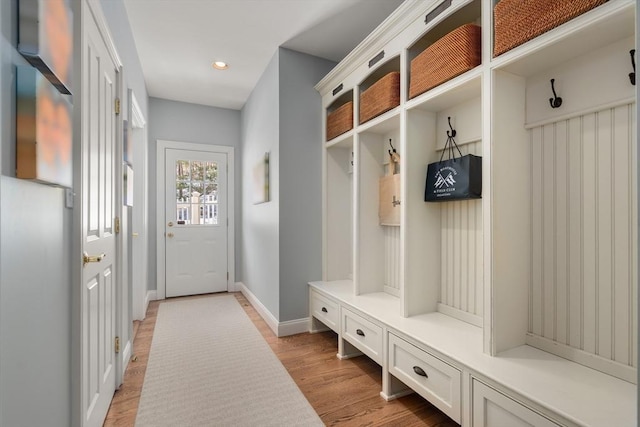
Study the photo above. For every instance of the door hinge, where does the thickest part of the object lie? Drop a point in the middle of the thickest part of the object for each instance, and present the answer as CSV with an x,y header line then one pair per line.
x,y
117,344
116,225
117,106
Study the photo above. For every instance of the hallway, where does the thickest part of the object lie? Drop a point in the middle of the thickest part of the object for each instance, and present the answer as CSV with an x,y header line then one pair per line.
x,y
348,399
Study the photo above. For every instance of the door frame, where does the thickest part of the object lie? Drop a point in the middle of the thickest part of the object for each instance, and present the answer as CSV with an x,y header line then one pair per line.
x,y
161,147
85,10
140,225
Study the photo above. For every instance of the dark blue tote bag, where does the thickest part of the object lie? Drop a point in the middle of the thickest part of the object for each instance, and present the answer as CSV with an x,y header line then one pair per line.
x,y
457,178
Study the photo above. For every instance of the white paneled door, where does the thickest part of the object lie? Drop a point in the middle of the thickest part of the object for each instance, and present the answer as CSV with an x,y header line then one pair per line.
x,y
99,74
196,223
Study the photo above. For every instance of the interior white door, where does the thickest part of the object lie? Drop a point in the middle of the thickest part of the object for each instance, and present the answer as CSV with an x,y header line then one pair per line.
x,y
195,222
99,74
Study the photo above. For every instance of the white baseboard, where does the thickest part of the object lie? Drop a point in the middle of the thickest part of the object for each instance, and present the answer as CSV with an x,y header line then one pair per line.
x,y
126,356
280,329
293,327
151,296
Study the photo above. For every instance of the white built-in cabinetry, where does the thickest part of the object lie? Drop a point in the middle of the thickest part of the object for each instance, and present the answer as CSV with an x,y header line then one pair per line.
x,y
520,307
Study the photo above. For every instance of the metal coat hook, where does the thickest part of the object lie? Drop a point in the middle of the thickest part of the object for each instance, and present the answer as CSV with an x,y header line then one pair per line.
x,y
556,101
453,132
632,76
392,148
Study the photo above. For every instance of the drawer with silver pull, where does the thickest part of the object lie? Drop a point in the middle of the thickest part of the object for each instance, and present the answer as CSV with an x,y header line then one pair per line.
x,y
433,379
366,336
325,310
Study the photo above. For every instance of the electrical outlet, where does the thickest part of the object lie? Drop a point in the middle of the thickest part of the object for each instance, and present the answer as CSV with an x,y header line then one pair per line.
x,y
68,198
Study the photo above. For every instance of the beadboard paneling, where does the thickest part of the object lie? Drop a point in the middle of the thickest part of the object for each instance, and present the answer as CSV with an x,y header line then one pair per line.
x,y
462,262
392,260
584,224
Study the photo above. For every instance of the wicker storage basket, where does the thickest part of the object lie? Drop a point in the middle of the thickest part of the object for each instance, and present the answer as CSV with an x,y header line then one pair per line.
x,y
340,120
518,21
381,96
448,57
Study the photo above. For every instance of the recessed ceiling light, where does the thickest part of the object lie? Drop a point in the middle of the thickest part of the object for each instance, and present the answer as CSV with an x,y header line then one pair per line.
x,y
220,65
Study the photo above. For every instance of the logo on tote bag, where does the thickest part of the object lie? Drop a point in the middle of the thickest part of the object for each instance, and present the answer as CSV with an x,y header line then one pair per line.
x,y
449,181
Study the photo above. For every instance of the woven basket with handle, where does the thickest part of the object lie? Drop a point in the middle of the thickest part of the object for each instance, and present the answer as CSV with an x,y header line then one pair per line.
x,y
518,21
450,56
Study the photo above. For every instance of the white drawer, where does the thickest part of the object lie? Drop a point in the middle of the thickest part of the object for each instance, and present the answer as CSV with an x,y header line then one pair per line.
x,y
493,409
363,334
433,379
325,310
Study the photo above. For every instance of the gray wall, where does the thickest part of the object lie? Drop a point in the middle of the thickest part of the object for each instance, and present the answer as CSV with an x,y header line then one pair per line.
x,y
35,290
179,121
35,273
260,223
35,306
282,239
300,179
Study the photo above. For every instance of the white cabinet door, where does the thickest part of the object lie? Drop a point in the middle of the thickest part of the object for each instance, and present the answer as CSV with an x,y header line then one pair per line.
x,y
493,409
325,310
363,334
433,379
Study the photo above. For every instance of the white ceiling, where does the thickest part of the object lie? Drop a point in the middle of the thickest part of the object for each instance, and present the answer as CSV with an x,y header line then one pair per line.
x,y
177,40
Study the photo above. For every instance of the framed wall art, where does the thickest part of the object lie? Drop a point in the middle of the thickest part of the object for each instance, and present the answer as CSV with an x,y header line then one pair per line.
x,y
43,130
45,39
261,180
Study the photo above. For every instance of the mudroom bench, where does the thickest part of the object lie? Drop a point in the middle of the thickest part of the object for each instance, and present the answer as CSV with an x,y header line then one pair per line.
x,y
441,358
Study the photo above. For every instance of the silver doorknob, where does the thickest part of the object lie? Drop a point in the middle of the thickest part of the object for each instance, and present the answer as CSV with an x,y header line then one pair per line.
x,y
169,235
170,224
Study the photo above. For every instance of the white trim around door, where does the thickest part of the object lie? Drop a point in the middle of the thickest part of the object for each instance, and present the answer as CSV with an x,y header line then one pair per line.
x,y
161,147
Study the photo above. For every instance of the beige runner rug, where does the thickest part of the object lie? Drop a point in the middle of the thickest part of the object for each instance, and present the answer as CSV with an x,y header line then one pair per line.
x,y
210,366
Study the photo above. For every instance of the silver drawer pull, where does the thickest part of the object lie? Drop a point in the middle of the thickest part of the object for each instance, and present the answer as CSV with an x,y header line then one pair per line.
x,y
359,332
418,370
324,309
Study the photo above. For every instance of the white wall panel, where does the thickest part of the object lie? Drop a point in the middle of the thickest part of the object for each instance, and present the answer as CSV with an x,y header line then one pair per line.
x,y
584,220
392,260
462,262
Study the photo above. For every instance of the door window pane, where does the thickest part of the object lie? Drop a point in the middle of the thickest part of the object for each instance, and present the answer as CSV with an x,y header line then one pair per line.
x,y
182,169
197,170
196,192
211,172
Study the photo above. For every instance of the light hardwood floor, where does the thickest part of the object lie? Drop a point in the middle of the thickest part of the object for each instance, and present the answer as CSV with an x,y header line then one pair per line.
x,y
343,392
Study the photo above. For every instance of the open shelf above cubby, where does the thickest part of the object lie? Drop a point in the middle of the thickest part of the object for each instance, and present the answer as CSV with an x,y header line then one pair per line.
x,y
344,141
339,115
449,94
612,21
469,13
383,124
382,70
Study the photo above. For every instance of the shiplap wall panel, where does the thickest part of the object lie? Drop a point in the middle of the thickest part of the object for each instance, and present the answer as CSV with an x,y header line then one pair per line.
x,y
535,292
589,246
622,243
462,262
604,220
575,268
392,257
583,228
548,233
561,230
